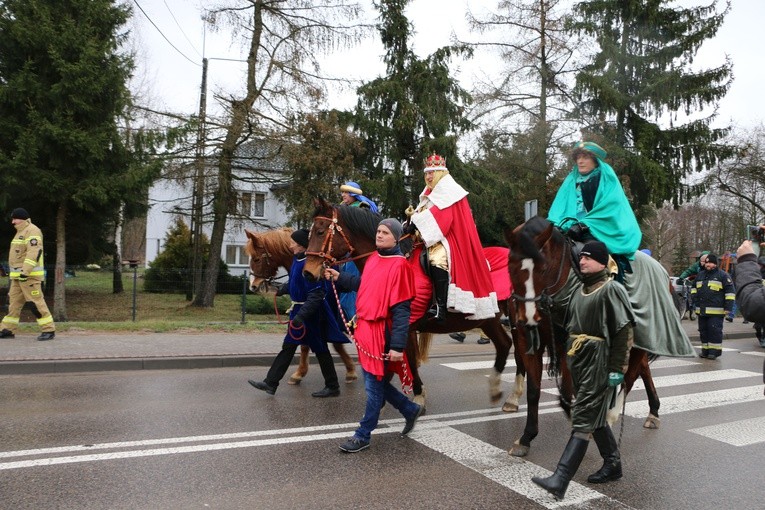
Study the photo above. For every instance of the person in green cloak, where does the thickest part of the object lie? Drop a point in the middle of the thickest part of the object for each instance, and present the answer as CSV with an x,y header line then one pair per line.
x,y
591,205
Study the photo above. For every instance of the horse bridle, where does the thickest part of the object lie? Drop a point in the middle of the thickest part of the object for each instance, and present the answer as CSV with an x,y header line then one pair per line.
x,y
545,298
326,246
273,269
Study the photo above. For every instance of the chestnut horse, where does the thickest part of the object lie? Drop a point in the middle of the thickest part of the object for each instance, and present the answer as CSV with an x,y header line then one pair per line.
x,y
540,267
341,233
268,252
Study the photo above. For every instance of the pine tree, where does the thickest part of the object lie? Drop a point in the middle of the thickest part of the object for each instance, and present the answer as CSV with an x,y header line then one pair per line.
x,y
416,108
63,86
643,100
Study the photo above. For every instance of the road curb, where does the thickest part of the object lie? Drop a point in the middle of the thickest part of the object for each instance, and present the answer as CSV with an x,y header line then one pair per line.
x,y
65,366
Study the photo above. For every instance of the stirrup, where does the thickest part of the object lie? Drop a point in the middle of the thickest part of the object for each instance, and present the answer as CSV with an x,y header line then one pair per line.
x,y
437,312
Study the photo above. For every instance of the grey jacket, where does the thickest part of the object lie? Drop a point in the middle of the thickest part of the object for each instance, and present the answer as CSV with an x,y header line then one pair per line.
x,y
750,293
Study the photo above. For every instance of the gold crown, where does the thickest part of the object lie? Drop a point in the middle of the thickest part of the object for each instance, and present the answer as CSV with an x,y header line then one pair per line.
x,y
435,162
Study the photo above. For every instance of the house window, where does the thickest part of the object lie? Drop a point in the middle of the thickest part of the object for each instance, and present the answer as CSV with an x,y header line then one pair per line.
x,y
260,205
231,251
236,255
245,204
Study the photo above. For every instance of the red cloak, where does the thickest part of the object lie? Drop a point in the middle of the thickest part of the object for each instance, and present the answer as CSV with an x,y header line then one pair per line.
x,y
386,281
449,220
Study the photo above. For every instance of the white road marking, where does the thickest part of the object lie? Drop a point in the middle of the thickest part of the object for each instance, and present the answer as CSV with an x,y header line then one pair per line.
x,y
671,363
472,365
755,353
695,378
385,427
696,401
495,464
736,433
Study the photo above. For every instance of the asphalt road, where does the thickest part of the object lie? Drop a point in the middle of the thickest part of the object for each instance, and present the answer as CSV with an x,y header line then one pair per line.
x,y
205,439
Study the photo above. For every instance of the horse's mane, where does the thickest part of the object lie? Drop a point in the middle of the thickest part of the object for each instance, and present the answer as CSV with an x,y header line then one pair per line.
x,y
274,241
360,220
529,231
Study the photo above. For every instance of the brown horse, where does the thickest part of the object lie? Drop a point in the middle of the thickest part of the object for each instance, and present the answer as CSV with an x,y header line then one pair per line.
x,y
540,270
343,233
268,252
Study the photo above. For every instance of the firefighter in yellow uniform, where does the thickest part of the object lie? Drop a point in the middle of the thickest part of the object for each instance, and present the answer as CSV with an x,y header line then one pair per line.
x,y
25,261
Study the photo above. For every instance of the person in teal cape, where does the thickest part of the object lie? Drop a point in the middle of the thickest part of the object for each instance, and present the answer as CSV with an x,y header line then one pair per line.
x,y
591,204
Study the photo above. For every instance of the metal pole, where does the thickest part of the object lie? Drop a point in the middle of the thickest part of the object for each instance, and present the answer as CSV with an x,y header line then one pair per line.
x,y
244,295
135,278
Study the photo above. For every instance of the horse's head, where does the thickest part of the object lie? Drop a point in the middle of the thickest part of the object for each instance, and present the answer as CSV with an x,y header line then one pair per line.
x,y
267,252
337,234
325,248
536,256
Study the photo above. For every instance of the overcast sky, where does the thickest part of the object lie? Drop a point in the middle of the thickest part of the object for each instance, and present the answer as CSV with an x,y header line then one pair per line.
x,y
169,63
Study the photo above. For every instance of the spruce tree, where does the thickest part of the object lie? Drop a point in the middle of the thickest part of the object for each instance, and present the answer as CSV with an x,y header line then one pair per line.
x,y
417,107
63,85
643,100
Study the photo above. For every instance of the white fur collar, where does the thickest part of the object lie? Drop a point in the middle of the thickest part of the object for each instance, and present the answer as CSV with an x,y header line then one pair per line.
x,y
446,193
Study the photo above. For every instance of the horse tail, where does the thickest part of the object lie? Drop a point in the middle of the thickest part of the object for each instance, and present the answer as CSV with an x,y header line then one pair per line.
x,y
423,341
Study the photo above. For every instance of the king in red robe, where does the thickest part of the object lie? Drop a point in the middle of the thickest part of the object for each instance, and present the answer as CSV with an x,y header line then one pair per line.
x,y
443,216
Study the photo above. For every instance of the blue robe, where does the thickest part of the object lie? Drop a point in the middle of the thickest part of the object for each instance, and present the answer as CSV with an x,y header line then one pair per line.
x,y
320,327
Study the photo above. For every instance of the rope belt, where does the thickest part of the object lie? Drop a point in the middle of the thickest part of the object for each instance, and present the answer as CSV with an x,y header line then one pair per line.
x,y
579,341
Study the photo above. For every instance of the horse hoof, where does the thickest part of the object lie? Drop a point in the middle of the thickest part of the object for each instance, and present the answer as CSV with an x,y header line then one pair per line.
x,y
294,380
495,398
419,400
518,450
349,378
510,408
652,422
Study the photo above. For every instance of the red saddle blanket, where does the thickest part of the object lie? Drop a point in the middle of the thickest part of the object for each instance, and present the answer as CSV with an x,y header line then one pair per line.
x,y
496,257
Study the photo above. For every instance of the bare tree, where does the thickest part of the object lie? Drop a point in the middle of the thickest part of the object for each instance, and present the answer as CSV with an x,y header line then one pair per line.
x,y
531,96
283,78
743,176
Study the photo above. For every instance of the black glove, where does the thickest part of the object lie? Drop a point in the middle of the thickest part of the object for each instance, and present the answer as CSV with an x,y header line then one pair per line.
x,y
297,321
410,227
283,289
578,231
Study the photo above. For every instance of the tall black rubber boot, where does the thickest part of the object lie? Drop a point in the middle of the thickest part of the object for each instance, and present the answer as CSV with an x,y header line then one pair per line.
x,y
609,450
440,279
567,466
328,370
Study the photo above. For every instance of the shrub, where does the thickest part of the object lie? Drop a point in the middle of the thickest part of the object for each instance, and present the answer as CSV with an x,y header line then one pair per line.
x,y
169,271
263,304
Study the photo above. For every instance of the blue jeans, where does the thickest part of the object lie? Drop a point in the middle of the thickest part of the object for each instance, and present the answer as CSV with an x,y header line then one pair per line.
x,y
379,391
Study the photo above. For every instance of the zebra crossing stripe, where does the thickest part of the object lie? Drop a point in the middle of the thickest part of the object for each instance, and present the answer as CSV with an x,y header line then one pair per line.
x,y
696,378
696,401
510,472
736,433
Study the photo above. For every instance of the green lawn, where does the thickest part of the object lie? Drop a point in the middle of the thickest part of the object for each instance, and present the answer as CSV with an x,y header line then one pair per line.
x,y
91,304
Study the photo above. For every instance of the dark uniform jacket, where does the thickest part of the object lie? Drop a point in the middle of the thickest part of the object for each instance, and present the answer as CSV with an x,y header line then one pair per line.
x,y
714,293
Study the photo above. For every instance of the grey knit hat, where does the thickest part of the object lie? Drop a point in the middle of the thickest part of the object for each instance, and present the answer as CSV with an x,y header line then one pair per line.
x,y
394,226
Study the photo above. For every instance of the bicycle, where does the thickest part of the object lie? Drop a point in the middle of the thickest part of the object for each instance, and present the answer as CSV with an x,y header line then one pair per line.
x,y
686,303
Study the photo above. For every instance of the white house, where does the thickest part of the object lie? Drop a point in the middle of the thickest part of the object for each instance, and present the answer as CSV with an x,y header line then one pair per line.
x,y
258,169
